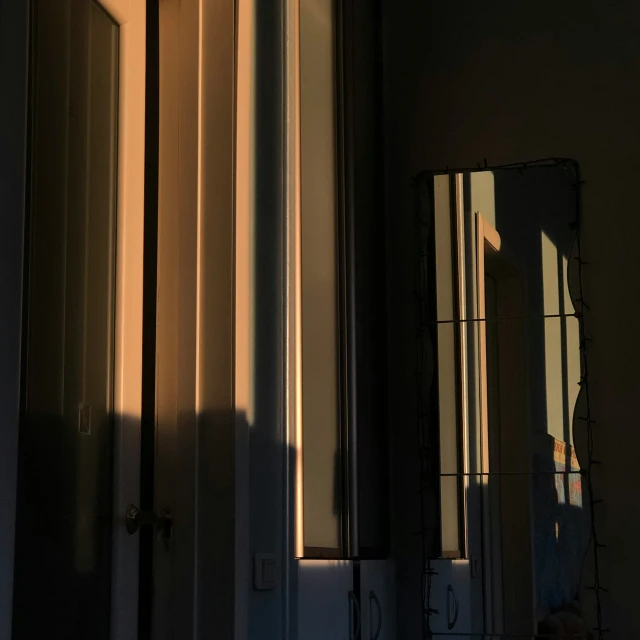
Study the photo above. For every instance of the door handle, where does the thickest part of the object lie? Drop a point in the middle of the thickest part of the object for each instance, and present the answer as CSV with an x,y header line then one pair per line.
x,y
374,598
354,626
163,522
451,595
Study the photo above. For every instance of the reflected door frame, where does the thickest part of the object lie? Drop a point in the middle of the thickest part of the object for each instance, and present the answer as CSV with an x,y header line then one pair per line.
x,y
200,378
509,579
487,242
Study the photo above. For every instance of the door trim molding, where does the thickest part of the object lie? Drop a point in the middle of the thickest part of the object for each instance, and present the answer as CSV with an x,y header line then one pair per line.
x,y
129,277
14,46
487,241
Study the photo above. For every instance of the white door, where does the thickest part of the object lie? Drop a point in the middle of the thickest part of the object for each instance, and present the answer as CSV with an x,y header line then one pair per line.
x,y
115,392
80,439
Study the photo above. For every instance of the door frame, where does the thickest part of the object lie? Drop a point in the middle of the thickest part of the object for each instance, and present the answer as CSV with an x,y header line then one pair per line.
x,y
516,550
14,48
131,18
512,410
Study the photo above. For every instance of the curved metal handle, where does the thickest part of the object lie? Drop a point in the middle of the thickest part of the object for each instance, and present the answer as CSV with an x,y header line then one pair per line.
x,y
451,593
374,598
354,631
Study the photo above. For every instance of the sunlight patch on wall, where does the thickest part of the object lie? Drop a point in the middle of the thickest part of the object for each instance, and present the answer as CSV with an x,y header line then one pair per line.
x,y
561,343
483,196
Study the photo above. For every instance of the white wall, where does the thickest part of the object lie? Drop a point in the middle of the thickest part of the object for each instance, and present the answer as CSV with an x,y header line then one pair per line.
x,y
264,471
13,65
516,81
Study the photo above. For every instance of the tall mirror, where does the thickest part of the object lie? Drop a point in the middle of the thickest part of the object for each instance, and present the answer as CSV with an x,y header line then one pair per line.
x,y
500,339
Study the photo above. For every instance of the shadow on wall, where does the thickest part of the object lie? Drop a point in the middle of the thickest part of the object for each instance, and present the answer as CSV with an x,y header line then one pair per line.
x,y
62,572
535,213
561,546
561,534
66,526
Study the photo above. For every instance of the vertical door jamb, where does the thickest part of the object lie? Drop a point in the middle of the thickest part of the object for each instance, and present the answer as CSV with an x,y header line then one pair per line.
x,y
131,17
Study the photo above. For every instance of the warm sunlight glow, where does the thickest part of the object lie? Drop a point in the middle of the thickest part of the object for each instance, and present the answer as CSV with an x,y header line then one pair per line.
x,y
561,343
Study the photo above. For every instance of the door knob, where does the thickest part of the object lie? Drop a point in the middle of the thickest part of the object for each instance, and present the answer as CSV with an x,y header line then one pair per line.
x,y
136,518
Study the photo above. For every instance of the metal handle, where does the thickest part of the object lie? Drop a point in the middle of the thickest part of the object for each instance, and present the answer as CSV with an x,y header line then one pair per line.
x,y
354,630
374,598
136,518
451,593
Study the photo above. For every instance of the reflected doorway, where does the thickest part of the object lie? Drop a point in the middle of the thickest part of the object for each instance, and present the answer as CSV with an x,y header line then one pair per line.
x,y
510,541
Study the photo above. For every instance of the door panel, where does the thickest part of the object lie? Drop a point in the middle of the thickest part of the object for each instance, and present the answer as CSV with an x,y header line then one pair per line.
x,y
510,450
14,31
494,482
64,512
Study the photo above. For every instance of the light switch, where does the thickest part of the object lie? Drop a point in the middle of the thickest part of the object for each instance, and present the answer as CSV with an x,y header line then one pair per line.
x,y
476,567
265,571
84,419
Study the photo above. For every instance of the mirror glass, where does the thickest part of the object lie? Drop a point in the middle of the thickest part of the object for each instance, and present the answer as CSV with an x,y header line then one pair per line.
x,y
498,294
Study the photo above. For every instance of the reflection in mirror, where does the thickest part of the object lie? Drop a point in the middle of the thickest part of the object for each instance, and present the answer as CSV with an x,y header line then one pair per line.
x,y
501,327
